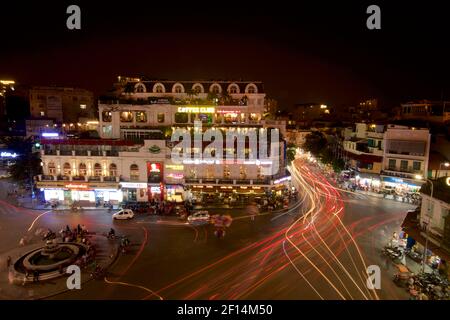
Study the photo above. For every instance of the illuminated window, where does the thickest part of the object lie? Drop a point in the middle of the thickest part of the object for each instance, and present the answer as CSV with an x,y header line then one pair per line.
x,y
160,117
42,113
106,116
97,169
51,168
67,170
82,106
82,169
134,172
141,116
112,170
126,116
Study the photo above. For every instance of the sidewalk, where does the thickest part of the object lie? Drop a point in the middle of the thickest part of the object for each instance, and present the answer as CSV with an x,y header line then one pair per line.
x,y
106,253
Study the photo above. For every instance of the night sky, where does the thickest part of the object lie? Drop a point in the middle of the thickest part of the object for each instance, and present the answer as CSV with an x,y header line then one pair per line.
x,y
304,53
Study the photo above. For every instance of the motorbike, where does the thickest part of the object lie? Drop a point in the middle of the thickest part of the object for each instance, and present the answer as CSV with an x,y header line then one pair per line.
x,y
49,235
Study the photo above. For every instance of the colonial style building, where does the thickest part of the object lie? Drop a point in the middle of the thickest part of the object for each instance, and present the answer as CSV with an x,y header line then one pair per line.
x,y
133,159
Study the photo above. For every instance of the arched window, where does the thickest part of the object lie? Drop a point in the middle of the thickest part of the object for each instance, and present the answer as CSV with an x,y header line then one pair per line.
x,y
139,87
112,170
198,88
134,172
178,88
51,168
251,88
159,88
67,171
97,170
215,88
233,88
82,169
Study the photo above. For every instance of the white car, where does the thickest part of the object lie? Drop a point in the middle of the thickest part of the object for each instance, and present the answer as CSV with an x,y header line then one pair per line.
x,y
125,214
200,217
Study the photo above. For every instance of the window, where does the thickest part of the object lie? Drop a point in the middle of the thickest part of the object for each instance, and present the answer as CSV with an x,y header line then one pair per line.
x,y
226,172
181,117
134,172
51,168
392,164
112,170
416,165
233,88
160,117
126,116
178,88
141,116
251,88
198,88
107,130
159,88
140,87
106,116
97,169
82,106
67,171
403,165
242,172
215,88
82,169
42,113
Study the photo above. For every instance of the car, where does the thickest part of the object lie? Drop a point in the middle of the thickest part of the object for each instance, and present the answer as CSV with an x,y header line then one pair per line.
x,y
200,217
124,214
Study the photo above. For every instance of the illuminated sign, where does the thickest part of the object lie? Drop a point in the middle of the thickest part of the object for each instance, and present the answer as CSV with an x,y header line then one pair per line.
x,y
282,180
448,181
175,175
75,186
137,185
50,134
176,167
228,111
196,109
8,155
153,172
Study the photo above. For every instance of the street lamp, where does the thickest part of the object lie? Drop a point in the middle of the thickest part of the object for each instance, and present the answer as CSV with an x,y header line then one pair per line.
x,y
446,165
427,228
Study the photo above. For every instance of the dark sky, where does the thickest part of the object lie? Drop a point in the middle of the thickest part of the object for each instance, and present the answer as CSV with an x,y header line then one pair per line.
x,y
314,51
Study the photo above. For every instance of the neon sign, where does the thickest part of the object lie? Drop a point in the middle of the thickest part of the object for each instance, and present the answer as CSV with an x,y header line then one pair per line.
x,y
75,186
8,155
196,109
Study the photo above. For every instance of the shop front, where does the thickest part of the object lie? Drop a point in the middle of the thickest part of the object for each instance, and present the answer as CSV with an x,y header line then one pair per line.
x,y
85,193
134,191
400,185
174,193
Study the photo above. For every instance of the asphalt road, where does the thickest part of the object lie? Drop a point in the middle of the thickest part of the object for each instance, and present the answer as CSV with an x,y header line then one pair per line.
x,y
319,250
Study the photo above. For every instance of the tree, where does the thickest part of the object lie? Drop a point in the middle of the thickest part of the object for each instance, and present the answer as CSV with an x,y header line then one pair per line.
x,y
315,142
28,163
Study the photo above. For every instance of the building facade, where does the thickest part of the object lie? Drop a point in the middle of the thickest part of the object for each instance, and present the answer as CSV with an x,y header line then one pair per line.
x,y
63,104
405,157
133,159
